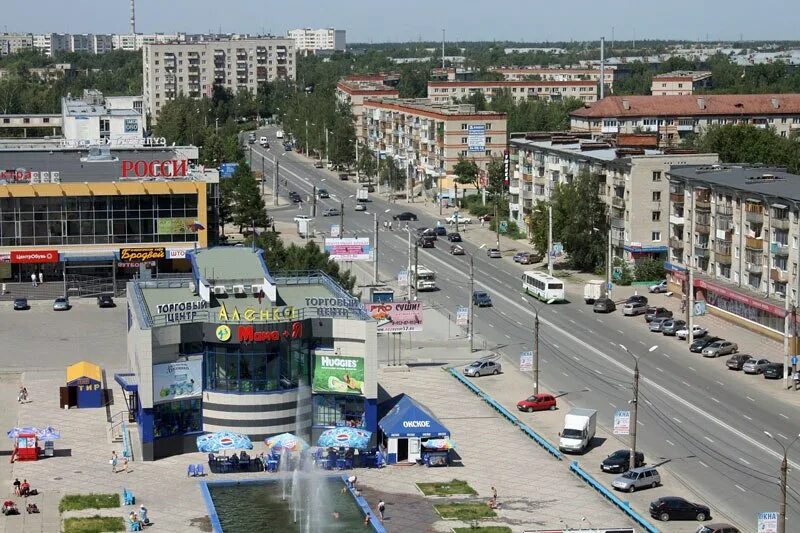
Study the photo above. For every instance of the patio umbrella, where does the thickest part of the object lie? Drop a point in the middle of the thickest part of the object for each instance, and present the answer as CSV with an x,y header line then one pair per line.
x,y
286,441
13,433
439,444
48,433
223,440
345,436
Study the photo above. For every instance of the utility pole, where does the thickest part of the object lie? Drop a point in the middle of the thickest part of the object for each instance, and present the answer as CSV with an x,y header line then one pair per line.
x,y
341,218
416,268
496,225
690,275
690,306
375,253
455,212
442,47
409,277
471,304
786,332
326,144
602,67
634,412
439,184
609,266
536,350
314,202
308,145
550,240
263,170
358,179
274,180
784,480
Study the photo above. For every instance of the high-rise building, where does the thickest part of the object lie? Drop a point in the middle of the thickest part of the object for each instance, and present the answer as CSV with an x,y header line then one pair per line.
x,y
311,41
51,43
11,43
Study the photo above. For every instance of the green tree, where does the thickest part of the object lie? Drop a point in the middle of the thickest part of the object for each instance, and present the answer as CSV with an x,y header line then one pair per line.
x,y
248,204
749,144
649,270
467,172
367,164
537,226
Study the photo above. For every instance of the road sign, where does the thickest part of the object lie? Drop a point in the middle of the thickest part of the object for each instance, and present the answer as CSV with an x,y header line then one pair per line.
x,y
503,226
767,523
794,360
226,170
462,315
699,308
336,231
609,286
526,361
622,423
402,278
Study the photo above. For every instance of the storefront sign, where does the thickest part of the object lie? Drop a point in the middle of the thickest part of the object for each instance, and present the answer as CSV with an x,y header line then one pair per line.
x,y
394,317
349,249
129,264
733,295
176,254
154,169
176,381
506,167
23,175
142,254
339,374
34,256
416,423
181,311
251,334
333,306
251,314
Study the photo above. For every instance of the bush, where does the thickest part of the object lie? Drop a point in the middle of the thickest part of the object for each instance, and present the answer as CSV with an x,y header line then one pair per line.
x,y
622,272
650,270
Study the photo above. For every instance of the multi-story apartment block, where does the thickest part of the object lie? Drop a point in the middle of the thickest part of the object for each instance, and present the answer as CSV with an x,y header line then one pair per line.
x,y
354,90
737,227
631,180
80,42
454,91
427,139
680,82
311,41
675,117
556,74
452,74
11,43
136,41
50,44
193,69
102,43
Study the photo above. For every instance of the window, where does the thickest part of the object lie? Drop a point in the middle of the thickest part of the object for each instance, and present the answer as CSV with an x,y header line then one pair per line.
x,y
338,410
655,236
464,126
176,418
656,216
464,153
780,262
463,140
656,175
488,140
656,196
488,126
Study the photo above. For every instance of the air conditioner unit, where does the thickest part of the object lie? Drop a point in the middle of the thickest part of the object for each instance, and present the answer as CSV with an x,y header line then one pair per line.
x,y
219,289
256,289
238,289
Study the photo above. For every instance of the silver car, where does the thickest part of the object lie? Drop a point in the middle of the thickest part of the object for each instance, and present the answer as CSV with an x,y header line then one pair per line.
x,y
755,366
634,308
482,368
717,348
657,323
638,478
61,304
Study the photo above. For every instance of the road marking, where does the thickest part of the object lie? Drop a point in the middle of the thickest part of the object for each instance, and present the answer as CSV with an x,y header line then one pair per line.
x,y
714,399
503,313
740,488
599,372
508,336
447,296
648,402
720,383
749,398
576,357
544,360
781,435
702,463
555,346
670,442
745,461
783,415
668,356
491,325
599,320
590,331
747,417
556,312
639,423
519,323
659,369
685,383
612,405
620,332
709,440
642,343
580,310
565,374
676,420
612,343
572,321
692,369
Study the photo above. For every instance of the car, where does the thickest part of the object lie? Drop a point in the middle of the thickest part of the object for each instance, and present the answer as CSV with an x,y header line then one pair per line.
x,y
279,134
654,312
105,300
263,141
251,139
638,478
755,366
405,216
634,309
455,249
298,218
460,219
698,345
361,207
454,237
537,402
482,367
21,304
485,218
519,256
718,348
369,187
657,323
440,231
319,164
323,193
675,508
295,198
659,287
481,299
773,371
717,528
697,332
620,460
61,304
529,259
427,232
494,253
344,176
331,212
287,147
604,305
426,242
669,327
637,298
737,361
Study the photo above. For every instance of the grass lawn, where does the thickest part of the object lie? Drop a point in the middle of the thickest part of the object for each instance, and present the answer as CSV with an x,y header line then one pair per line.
x,y
483,529
464,511
76,502
446,488
94,524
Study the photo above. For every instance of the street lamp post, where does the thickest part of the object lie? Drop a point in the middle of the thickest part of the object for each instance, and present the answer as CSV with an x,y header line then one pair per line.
x,y
536,342
635,402
784,479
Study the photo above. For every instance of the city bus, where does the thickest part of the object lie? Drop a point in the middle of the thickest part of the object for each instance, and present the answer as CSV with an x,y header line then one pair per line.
x,y
544,287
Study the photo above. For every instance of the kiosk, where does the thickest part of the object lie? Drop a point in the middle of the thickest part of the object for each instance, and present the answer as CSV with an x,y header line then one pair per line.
x,y
26,448
84,386
405,427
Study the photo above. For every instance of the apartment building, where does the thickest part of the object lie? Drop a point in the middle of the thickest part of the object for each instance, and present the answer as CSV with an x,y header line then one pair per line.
x,y
556,74
11,43
102,43
454,91
737,227
354,90
133,42
680,82
631,180
427,139
80,42
673,118
452,74
50,44
193,69
309,41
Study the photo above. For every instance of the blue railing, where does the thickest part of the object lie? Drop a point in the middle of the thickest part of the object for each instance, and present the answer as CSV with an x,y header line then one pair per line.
x,y
126,443
142,312
374,521
623,505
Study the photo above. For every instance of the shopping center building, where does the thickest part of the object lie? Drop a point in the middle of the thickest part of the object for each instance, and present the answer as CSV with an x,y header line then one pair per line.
x,y
233,347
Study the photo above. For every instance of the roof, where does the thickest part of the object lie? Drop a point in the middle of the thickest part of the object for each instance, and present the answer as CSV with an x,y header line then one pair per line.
x,y
376,88
694,75
229,263
409,418
504,83
574,149
692,105
745,178
427,107
84,369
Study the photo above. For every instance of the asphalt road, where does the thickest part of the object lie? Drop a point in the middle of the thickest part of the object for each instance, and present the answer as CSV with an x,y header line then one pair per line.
x,y
692,412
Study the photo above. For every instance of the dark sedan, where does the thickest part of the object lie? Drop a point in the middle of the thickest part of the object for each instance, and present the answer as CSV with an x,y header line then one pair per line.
x,y
105,300
773,371
620,460
737,361
604,305
440,231
657,312
698,345
454,237
637,298
405,216
674,508
21,304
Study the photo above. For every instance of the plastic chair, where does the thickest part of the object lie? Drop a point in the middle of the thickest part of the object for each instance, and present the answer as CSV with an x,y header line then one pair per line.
x,y
191,471
135,526
340,463
348,464
199,470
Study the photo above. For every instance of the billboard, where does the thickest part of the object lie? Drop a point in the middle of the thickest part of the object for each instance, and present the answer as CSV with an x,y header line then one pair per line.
x,y
476,137
622,422
338,374
349,249
167,226
150,253
34,256
396,317
176,381
226,170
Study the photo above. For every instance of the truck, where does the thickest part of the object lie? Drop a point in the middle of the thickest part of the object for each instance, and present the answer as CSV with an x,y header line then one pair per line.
x,y
362,195
579,428
595,289
424,279
305,227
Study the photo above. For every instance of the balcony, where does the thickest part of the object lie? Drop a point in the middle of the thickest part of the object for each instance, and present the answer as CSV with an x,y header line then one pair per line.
x,y
617,242
618,181
703,226
678,220
779,223
754,216
754,244
776,274
676,197
724,210
778,248
754,268
617,202
723,254
676,243
618,223
701,250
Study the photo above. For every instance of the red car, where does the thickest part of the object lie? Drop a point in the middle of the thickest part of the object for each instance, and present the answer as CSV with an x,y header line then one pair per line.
x,y
537,402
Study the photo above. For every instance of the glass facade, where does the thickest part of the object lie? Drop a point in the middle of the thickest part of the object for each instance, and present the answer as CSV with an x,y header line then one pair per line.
x,y
177,418
269,367
742,309
97,219
333,410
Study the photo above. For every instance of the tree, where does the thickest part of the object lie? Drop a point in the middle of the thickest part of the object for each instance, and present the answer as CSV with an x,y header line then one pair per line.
x,y
749,144
248,204
466,171
367,164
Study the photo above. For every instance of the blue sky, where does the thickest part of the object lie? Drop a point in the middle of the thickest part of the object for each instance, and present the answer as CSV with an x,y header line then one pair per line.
x,y
409,20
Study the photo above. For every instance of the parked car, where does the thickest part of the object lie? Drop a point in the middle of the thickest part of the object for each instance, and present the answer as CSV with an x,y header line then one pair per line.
x,y
773,371
519,256
331,212
405,216
361,207
529,259
657,323
697,332
105,301
698,345
638,478
657,312
323,193
637,298
454,237
493,253
344,176
716,349
440,231
287,147
675,508
481,299
755,366
604,305
737,361
61,304
482,368
319,164
717,528
669,327
456,218
298,218
537,402
634,309
21,304
620,460
659,287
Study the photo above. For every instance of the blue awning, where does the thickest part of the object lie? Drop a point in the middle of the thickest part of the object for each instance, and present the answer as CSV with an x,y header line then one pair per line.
x,y
409,418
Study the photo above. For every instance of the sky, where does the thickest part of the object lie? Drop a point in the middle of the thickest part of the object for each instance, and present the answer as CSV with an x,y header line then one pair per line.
x,y
412,20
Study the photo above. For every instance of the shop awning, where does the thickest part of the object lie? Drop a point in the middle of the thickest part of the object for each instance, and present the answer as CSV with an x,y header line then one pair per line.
x,y
97,257
84,369
409,418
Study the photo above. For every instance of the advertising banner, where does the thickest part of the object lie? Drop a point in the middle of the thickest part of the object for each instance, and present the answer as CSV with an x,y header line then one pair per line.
x,y
396,317
176,381
338,374
168,226
526,362
462,316
142,254
768,522
476,137
349,249
622,423
34,256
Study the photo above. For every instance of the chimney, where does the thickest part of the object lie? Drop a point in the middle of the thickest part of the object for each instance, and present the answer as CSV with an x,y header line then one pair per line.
x,y
701,102
776,103
626,105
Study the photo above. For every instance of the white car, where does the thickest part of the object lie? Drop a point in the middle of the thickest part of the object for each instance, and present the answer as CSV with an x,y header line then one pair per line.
x,y
697,332
279,134
263,141
361,207
659,287
298,218
455,218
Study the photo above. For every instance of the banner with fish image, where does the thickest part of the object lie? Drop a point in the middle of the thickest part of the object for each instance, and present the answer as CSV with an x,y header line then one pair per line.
x,y
338,374
179,380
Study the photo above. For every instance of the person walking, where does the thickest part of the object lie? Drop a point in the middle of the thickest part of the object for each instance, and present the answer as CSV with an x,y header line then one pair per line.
x,y
381,508
113,462
41,277
33,279
21,394
24,394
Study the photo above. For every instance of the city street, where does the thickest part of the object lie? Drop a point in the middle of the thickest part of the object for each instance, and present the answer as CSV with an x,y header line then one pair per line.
x,y
708,422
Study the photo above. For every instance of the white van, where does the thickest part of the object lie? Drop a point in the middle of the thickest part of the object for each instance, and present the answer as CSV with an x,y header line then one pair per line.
x,y
279,134
579,429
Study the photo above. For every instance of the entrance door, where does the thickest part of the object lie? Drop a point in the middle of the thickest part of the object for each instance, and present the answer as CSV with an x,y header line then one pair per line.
x,y
413,450
402,450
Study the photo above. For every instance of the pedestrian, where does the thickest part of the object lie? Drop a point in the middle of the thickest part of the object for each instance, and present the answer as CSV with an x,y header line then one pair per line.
x,y
391,225
352,481
24,394
381,508
21,394
113,462
483,220
124,464
33,279
41,277
494,493
367,519
16,487
143,515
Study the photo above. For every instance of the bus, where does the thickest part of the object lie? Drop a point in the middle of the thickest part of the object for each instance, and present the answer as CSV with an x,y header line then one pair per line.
x,y
542,286
424,279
